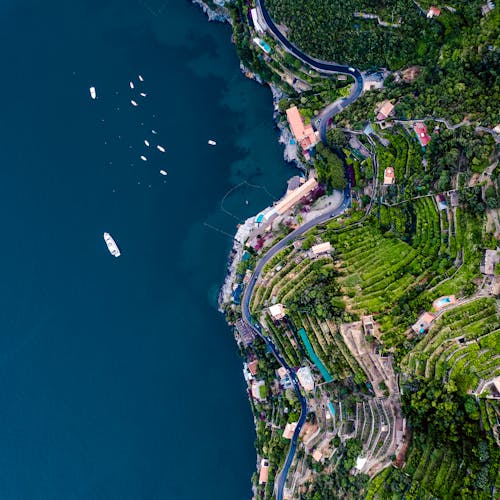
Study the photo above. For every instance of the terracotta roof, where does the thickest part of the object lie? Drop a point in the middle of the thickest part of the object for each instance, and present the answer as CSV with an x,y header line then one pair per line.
x,y
289,430
252,367
264,471
296,195
421,131
304,134
423,322
385,110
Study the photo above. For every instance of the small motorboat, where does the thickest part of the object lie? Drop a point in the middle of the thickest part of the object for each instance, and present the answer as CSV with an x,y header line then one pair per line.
x,y
212,142
141,78
92,92
131,85
163,172
143,158
154,132
160,148
143,94
146,142
133,103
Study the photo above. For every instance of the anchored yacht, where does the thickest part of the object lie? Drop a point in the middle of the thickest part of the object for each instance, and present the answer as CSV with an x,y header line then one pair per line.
x,y
92,92
163,172
160,148
112,246
133,103
212,143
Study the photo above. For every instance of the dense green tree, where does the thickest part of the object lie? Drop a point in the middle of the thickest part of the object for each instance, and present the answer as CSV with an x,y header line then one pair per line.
x,y
337,138
330,168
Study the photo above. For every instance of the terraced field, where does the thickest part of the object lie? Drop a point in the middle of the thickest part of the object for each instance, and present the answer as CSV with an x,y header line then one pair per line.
x,y
377,272
427,237
462,345
287,276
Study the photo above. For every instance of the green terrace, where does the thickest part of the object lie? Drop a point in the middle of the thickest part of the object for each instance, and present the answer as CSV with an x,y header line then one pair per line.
x,y
462,345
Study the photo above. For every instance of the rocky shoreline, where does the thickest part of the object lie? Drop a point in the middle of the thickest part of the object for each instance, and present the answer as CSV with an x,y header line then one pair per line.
x,y
221,14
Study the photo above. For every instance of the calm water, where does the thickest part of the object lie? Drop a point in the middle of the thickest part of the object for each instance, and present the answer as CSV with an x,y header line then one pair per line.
x,y
118,377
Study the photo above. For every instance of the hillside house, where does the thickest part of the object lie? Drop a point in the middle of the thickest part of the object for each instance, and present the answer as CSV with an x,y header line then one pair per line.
x,y
385,110
389,177
304,134
421,131
433,12
423,322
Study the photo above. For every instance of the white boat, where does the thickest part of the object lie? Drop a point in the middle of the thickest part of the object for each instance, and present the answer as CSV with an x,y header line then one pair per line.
x,y
143,94
143,158
112,246
133,103
131,85
211,142
146,142
160,148
163,172
92,92
154,132
141,78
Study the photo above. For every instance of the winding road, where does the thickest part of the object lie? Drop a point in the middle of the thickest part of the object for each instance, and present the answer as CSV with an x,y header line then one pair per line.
x,y
321,122
322,67
257,328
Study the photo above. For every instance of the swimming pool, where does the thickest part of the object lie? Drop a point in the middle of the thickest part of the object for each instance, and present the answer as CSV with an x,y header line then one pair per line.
x,y
443,301
265,46
332,408
314,357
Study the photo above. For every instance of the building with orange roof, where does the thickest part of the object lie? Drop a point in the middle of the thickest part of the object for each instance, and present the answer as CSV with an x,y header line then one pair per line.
x,y
289,430
252,367
423,322
304,134
389,177
433,12
293,197
421,131
264,471
385,110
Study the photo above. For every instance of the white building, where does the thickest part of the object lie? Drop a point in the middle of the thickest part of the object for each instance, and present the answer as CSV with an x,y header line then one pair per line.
x,y
277,311
321,248
258,23
289,430
305,378
360,462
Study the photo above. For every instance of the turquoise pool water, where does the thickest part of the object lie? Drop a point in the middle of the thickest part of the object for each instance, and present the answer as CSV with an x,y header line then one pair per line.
x,y
265,46
332,408
314,357
443,301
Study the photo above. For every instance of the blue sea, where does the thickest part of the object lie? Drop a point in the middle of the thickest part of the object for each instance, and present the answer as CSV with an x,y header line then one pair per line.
x,y
118,377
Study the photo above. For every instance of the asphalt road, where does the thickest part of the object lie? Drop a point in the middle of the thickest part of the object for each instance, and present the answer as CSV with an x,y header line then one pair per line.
x,y
326,68
323,67
247,317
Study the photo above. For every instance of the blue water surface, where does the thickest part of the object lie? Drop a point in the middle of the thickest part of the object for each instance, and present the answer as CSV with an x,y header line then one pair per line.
x,y
119,379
